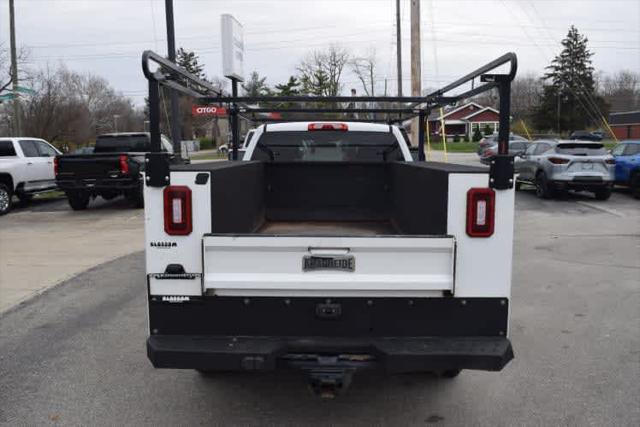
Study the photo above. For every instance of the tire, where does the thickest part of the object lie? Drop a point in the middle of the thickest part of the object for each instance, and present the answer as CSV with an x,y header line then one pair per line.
x,y
25,198
78,200
518,185
5,199
543,187
602,193
136,198
634,184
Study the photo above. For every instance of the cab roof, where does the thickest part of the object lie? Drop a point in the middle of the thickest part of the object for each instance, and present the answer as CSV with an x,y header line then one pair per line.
x,y
304,126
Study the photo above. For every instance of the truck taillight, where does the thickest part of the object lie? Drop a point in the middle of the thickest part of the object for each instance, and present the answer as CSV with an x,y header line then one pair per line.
x,y
177,210
55,166
610,161
327,126
124,164
480,212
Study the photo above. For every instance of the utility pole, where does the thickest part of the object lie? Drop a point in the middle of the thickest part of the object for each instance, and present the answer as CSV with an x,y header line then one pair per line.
x,y
399,48
175,107
17,126
416,72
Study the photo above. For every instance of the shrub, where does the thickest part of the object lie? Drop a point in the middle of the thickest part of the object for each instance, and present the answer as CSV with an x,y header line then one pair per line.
x,y
487,130
465,138
207,143
456,138
477,136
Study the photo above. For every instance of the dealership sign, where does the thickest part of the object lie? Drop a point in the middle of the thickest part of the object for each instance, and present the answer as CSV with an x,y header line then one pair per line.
x,y
208,110
232,48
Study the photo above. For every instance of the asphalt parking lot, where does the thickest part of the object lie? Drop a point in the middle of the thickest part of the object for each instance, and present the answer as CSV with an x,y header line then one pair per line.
x,y
75,354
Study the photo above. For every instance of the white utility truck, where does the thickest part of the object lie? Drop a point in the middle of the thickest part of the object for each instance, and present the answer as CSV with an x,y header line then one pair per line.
x,y
331,247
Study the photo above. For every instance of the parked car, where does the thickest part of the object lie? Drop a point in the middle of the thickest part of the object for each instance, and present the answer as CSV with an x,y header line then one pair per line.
x,y
26,168
584,135
515,147
113,169
490,140
225,148
557,166
627,157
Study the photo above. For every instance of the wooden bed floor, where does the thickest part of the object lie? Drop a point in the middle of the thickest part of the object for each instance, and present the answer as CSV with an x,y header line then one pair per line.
x,y
327,228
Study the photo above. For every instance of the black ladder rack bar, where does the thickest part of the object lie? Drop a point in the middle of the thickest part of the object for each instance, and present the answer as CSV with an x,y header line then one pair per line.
x,y
170,75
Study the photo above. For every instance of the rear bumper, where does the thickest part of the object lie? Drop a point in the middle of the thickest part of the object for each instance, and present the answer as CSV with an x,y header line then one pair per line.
x,y
582,183
265,333
98,184
391,354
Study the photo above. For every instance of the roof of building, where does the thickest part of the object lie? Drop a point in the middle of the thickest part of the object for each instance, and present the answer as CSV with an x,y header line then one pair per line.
x,y
625,118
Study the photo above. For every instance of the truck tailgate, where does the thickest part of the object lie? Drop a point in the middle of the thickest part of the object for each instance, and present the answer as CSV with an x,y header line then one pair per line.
x,y
318,266
81,166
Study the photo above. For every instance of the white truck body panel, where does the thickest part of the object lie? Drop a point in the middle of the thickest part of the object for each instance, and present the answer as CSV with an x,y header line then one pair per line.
x,y
389,266
483,265
266,266
163,249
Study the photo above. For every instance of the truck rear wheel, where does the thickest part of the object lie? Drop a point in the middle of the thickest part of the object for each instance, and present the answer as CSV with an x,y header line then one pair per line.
x,y
78,200
5,199
136,197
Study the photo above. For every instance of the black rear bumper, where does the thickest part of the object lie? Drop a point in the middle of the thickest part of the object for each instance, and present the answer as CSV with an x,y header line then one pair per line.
x,y
393,355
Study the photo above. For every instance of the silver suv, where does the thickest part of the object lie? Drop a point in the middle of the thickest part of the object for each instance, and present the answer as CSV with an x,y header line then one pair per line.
x,y
557,166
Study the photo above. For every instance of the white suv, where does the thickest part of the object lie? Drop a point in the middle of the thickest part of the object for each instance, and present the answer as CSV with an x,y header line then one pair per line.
x,y
26,168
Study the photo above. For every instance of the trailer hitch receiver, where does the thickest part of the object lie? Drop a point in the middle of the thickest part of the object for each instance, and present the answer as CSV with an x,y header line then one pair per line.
x,y
329,383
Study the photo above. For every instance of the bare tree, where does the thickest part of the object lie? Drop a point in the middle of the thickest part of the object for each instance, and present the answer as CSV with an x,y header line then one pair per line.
x,y
320,71
364,68
622,90
525,95
72,107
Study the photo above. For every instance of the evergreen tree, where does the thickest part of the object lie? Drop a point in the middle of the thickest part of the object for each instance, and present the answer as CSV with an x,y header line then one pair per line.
x,y
190,62
569,95
290,88
256,85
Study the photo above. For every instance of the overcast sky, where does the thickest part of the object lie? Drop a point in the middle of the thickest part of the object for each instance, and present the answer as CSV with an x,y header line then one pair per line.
x,y
106,37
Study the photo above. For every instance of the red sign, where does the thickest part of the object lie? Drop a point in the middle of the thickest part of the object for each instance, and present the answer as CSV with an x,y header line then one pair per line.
x,y
208,110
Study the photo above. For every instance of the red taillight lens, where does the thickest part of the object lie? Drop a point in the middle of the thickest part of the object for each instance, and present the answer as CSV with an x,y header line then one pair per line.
x,y
177,210
489,153
55,166
124,164
610,161
327,126
558,160
480,212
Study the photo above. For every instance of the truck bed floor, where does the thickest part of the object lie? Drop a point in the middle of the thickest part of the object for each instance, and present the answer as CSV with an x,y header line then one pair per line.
x,y
328,228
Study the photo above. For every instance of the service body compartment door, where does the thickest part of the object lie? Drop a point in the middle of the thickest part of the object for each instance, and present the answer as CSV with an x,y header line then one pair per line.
x,y
328,266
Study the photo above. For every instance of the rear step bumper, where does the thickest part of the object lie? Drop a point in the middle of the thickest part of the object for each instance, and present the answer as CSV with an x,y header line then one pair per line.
x,y
394,355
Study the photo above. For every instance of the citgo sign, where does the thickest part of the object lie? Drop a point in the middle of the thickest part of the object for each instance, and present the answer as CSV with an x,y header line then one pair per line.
x,y
208,110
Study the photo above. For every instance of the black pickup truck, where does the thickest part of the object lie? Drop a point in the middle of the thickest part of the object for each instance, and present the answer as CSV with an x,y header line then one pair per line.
x,y
113,169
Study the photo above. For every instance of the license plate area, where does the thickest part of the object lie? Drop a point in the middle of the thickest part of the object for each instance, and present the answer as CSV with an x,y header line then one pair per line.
x,y
329,263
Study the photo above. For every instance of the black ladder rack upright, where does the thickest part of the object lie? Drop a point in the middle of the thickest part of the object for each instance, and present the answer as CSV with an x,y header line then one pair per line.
x,y
396,108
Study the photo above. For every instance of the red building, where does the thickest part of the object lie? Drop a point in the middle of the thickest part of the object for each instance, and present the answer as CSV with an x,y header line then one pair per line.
x,y
465,119
625,125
